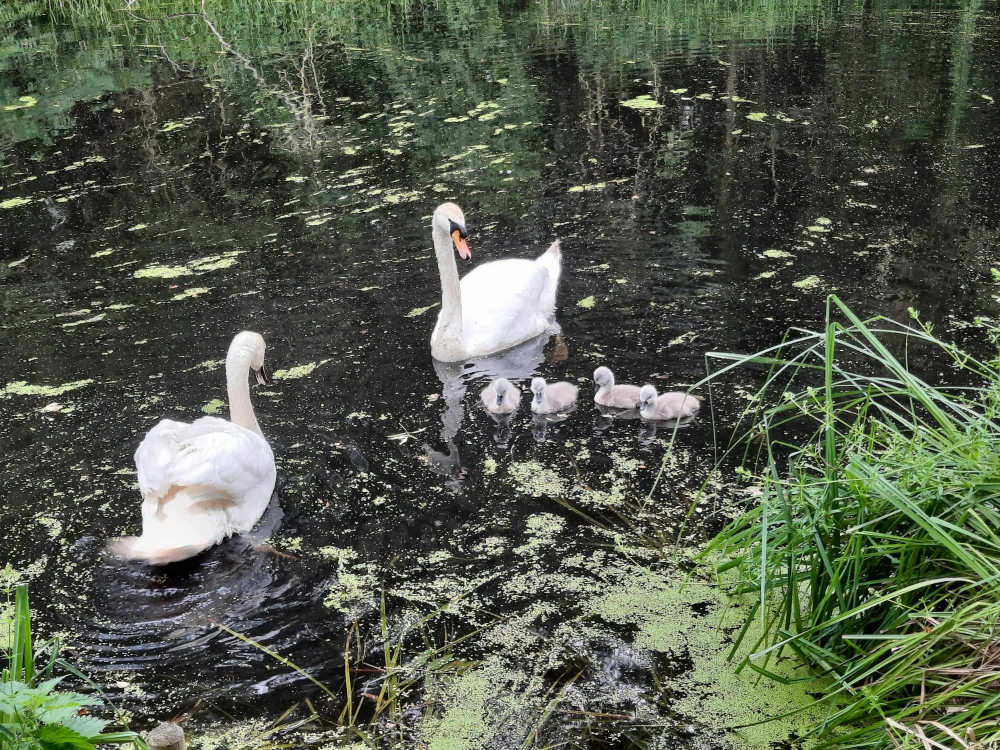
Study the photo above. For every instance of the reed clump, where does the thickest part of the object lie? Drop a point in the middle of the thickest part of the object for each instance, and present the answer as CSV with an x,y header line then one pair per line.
x,y
873,555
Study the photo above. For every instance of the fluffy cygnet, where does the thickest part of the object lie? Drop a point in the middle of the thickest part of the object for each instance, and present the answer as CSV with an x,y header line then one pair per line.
x,y
552,397
501,396
615,396
673,405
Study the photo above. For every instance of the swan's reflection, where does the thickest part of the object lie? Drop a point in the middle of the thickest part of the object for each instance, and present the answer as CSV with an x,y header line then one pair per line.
x,y
517,364
540,422
648,430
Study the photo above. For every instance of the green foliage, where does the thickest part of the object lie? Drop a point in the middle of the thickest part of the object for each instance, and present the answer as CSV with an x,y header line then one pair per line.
x,y
34,714
874,553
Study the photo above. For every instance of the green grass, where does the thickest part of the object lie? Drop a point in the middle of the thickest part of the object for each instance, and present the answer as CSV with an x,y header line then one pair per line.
x,y
33,713
874,553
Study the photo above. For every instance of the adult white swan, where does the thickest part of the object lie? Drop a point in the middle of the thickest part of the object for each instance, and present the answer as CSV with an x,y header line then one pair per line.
x,y
205,481
497,305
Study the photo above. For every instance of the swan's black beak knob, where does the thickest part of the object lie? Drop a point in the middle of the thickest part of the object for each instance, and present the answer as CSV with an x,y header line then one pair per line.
x,y
262,377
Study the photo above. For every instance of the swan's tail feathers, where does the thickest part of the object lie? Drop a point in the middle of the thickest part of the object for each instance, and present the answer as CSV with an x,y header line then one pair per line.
x,y
142,549
551,260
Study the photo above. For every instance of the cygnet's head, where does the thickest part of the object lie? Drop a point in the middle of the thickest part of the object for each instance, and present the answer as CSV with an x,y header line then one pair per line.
x,y
448,218
537,387
603,377
249,346
500,387
647,397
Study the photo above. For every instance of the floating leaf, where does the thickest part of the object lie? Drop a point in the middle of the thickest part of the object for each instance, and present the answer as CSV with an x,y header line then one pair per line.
x,y
213,406
810,282
772,253
26,101
757,116
645,101
420,310
587,302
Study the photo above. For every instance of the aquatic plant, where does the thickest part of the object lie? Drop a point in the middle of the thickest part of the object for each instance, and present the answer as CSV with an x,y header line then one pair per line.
x,y
874,553
33,712
372,697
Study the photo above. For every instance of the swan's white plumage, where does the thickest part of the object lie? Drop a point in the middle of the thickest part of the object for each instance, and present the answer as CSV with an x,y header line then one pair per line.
x,y
497,305
200,482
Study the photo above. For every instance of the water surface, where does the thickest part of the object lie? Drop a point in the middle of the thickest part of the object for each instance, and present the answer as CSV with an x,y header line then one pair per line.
x,y
714,171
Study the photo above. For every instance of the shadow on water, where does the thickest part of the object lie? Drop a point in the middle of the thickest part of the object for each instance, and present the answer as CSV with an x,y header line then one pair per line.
x,y
713,169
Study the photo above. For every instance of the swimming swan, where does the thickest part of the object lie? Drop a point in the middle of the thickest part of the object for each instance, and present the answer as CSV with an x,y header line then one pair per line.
x,y
615,396
501,396
205,481
552,397
498,304
673,405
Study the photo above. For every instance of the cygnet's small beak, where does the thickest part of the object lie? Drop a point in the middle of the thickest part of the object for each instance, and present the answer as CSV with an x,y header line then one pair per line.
x,y
262,377
499,399
461,245
538,397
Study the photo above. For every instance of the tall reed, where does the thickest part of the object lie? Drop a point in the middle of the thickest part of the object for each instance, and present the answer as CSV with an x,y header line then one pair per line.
x,y
873,555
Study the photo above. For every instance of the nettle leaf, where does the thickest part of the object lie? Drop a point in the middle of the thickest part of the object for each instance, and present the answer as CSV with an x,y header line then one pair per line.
x,y
14,696
87,726
55,737
46,687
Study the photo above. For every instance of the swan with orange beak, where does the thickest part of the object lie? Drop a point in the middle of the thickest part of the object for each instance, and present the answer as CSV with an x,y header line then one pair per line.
x,y
498,304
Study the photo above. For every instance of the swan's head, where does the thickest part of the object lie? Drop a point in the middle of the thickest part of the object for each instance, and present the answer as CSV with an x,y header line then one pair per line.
x,y
448,218
500,387
647,397
538,387
249,346
603,378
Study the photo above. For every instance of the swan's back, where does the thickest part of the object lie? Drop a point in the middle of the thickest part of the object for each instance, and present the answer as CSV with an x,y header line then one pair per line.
x,y
200,483
558,396
618,397
508,301
676,405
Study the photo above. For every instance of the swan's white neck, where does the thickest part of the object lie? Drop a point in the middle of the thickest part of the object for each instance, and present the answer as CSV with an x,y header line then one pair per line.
x,y
237,369
449,326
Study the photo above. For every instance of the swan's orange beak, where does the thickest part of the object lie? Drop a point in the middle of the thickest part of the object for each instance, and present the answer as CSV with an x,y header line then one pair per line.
x,y
461,245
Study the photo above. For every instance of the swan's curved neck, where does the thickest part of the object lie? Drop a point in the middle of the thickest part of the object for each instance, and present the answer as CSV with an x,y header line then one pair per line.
x,y
450,319
240,408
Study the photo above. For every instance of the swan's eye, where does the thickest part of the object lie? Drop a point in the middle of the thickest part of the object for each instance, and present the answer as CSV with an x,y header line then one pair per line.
x,y
456,227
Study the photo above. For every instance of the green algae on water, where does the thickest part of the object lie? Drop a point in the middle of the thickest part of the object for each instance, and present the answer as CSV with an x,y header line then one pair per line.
x,y
644,101
772,253
213,406
416,311
188,293
14,202
810,282
587,302
25,102
22,388
161,272
299,371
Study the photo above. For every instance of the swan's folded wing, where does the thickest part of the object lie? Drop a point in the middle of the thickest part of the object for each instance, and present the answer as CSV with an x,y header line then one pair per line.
x,y
222,460
155,454
501,298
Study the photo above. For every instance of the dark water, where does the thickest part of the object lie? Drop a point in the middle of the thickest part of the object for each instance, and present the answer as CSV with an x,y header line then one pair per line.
x,y
168,183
